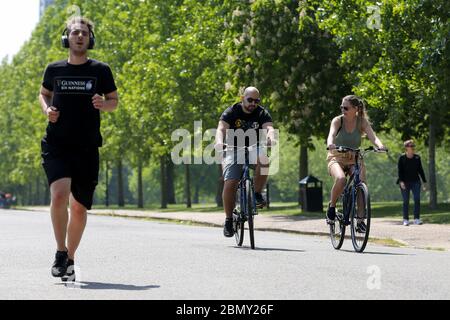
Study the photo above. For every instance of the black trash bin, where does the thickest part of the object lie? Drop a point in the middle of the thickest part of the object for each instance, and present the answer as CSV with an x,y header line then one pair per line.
x,y
311,196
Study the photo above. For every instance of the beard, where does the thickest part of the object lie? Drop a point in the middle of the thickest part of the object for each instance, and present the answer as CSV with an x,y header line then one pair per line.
x,y
249,108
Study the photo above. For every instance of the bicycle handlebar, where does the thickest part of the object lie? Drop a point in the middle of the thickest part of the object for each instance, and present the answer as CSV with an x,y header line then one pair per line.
x,y
343,149
239,148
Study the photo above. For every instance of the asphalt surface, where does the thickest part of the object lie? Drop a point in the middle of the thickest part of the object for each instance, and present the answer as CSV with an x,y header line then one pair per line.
x,y
133,259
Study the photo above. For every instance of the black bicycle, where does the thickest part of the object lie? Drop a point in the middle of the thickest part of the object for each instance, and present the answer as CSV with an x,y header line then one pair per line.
x,y
245,208
353,206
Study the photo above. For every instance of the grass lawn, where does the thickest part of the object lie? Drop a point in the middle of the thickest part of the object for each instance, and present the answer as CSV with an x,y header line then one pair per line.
x,y
379,210
394,209
205,207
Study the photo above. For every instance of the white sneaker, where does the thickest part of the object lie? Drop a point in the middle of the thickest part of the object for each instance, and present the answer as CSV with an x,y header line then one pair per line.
x,y
406,223
418,222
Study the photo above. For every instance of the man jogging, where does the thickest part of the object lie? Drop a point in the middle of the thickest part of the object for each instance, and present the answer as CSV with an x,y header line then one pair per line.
x,y
73,93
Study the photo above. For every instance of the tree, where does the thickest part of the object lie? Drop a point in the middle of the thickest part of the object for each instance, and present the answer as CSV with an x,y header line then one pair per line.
x,y
399,67
279,47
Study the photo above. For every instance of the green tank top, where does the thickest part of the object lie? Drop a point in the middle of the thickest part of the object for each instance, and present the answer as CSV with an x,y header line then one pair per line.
x,y
352,139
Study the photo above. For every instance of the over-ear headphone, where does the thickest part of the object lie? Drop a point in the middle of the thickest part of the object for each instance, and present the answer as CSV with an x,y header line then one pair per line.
x,y
65,39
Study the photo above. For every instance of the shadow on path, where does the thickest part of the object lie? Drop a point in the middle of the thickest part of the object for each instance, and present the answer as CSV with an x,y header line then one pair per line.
x,y
269,249
381,253
109,286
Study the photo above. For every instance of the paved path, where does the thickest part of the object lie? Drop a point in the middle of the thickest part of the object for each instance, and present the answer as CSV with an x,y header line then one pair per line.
x,y
138,259
427,236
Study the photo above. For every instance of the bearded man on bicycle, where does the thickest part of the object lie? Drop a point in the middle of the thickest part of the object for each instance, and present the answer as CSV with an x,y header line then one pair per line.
x,y
241,125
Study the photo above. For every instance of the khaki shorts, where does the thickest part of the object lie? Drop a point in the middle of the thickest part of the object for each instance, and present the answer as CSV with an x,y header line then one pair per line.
x,y
233,163
346,161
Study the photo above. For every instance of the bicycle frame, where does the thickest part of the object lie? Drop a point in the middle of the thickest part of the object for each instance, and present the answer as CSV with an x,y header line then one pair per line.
x,y
354,180
352,183
360,225
242,183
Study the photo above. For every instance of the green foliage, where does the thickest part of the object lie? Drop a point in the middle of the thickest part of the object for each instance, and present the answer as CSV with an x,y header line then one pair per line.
x,y
180,61
279,47
399,68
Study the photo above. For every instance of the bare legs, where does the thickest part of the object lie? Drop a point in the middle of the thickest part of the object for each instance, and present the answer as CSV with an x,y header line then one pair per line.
x,y
77,224
63,227
229,196
339,183
261,173
230,186
60,192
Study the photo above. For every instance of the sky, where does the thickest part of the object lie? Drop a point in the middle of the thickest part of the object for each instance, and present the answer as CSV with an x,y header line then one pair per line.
x,y
18,18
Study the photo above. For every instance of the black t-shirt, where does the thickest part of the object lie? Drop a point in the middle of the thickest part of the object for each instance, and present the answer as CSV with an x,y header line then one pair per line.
x,y
73,87
238,119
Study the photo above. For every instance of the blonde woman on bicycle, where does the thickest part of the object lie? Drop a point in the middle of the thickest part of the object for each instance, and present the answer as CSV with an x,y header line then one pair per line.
x,y
347,130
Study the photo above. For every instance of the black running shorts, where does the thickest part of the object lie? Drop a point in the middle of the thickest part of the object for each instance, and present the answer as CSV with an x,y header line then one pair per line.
x,y
81,164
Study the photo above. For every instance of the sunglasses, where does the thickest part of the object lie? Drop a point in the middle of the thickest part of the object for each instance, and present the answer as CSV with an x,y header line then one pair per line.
x,y
251,100
344,108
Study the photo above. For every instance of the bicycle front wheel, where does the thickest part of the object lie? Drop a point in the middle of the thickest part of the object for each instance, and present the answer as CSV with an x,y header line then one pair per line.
x,y
337,230
238,226
250,210
238,221
360,218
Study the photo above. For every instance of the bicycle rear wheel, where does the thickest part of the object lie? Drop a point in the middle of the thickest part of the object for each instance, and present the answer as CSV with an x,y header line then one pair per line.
x,y
337,230
250,210
360,218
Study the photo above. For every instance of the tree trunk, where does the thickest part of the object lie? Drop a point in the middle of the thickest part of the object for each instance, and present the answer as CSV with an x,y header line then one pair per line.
x,y
23,192
196,199
163,183
37,195
140,187
47,194
188,185
303,168
30,194
432,161
120,191
170,182
219,200
107,183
